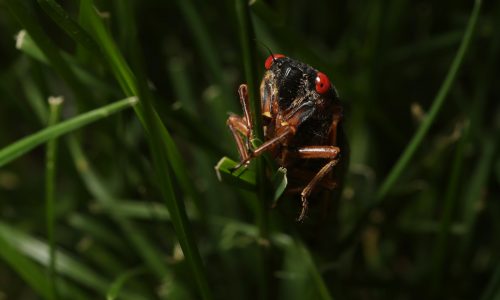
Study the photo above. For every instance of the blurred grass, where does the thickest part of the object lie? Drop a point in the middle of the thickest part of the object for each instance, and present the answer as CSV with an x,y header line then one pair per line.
x,y
50,189
139,212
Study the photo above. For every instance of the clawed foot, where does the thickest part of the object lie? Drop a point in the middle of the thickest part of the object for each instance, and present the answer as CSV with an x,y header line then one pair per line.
x,y
303,211
243,163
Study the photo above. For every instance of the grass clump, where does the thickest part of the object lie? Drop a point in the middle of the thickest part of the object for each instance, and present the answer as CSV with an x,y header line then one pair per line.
x,y
131,206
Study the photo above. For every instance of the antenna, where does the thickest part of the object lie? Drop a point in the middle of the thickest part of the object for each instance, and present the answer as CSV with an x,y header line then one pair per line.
x,y
267,48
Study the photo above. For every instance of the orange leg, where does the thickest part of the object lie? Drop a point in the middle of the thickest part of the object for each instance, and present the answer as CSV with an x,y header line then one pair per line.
x,y
327,152
283,134
312,152
312,184
242,125
245,105
306,176
238,127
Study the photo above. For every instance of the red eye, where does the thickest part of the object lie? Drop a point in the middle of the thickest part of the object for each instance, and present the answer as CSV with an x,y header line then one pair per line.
x,y
270,60
322,83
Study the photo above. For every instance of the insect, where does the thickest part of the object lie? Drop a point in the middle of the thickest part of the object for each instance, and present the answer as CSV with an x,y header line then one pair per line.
x,y
302,124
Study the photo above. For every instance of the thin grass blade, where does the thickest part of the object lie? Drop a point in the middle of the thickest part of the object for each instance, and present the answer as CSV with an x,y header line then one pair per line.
x,y
437,104
24,145
50,190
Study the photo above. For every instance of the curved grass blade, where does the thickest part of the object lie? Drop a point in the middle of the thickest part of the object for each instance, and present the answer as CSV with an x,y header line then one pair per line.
x,y
24,145
47,47
66,265
26,269
25,43
104,196
438,102
72,28
280,181
209,52
117,286
161,144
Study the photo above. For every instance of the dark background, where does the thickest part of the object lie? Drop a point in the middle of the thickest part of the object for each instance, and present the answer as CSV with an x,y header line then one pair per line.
x,y
434,235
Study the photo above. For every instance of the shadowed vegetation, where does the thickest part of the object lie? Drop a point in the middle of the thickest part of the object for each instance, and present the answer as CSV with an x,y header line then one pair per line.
x,y
113,194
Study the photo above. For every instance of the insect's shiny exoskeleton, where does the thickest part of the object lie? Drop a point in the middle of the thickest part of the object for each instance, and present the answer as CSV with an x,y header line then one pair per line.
x,y
302,119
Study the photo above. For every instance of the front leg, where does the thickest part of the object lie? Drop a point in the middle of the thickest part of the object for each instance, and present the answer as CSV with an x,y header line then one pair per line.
x,y
284,133
242,125
239,127
247,115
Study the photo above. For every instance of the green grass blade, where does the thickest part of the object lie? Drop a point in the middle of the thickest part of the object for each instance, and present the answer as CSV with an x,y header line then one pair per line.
x,y
97,230
30,272
66,23
161,144
117,286
318,281
247,43
135,209
35,97
243,177
438,102
249,63
120,69
280,181
104,196
202,38
146,113
66,264
37,250
24,145
492,291
208,51
301,277
478,180
50,190
450,202
47,47
25,43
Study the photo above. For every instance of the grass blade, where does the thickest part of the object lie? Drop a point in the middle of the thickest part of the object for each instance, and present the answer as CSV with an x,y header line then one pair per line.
x,y
438,102
116,287
313,270
104,196
50,178
47,47
247,38
492,291
450,202
30,272
72,28
24,145
66,264
243,177
37,250
280,181
161,144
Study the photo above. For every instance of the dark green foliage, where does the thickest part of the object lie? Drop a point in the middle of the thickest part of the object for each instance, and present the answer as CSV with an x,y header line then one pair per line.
x,y
130,206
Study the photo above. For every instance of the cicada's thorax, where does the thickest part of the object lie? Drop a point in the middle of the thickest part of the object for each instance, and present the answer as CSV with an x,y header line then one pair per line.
x,y
288,96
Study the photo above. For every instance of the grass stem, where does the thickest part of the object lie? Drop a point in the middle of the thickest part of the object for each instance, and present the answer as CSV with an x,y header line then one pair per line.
x,y
247,41
437,104
50,186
